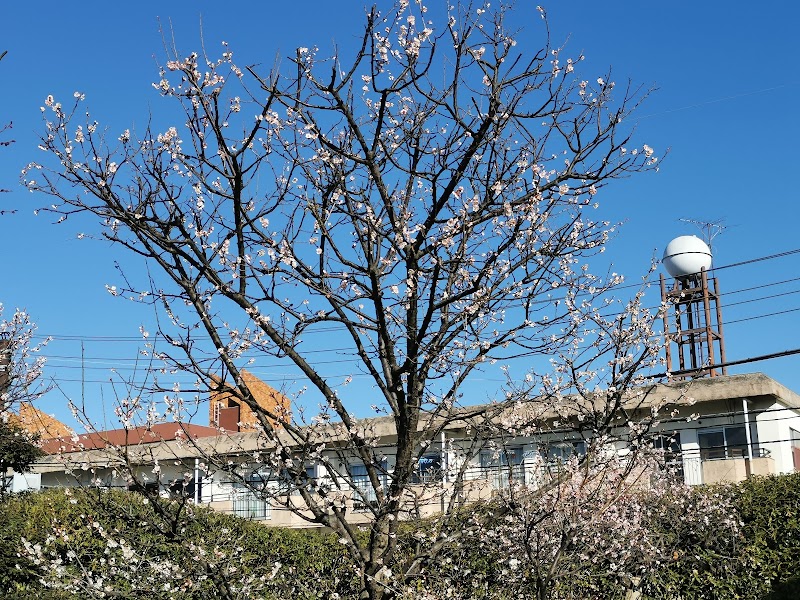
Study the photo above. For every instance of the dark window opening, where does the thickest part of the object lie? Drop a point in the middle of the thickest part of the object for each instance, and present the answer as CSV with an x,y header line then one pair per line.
x,y
723,442
429,469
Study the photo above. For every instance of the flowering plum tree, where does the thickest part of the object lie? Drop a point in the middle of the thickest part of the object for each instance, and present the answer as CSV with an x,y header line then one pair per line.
x,y
556,545
21,363
427,201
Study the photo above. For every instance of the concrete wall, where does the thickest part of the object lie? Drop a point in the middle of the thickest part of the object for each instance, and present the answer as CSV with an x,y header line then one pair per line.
x,y
712,415
774,426
22,482
736,469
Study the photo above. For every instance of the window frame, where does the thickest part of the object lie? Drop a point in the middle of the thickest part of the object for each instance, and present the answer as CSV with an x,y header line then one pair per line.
x,y
250,497
429,474
364,495
576,448
503,465
727,449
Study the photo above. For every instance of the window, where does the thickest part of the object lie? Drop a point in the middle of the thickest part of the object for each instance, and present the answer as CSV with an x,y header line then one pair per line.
x,y
794,435
560,452
503,466
501,458
429,469
215,418
183,488
289,485
670,443
723,442
248,499
311,472
149,487
364,494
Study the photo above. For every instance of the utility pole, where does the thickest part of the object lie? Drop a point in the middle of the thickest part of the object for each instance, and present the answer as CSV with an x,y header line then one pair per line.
x,y
5,380
5,362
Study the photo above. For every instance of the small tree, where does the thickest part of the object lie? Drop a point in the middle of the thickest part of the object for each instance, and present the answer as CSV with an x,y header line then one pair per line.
x,y
21,363
20,381
427,202
18,450
558,545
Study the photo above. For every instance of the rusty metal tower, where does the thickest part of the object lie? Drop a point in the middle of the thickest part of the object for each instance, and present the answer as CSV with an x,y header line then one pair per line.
x,y
693,322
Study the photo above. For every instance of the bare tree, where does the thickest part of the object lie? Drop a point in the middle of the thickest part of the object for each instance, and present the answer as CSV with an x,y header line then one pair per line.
x,y
427,202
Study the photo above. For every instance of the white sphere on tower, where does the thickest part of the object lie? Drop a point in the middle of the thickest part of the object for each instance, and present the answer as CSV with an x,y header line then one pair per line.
x,y
686,255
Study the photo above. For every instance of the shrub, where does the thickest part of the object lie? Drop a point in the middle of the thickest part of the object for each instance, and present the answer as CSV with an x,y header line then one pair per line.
x,y
82,542
722,542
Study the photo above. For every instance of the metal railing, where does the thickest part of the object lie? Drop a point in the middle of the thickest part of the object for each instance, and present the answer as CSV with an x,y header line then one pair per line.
x,y
248,505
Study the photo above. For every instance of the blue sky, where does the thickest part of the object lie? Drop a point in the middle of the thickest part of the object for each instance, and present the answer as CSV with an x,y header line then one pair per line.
x,y
727,85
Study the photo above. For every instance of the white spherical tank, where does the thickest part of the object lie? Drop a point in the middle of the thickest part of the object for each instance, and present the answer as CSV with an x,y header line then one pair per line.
x,y
686,255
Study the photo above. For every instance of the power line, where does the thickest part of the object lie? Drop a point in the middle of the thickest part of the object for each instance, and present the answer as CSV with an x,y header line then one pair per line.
x,y
760,298
274,376
755,260
730,363
726,305
754,317
649,280
763,285
131,366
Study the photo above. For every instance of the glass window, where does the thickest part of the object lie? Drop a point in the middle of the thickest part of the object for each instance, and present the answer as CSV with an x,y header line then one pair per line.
x,y
795,437
181,488
736,441
288,484
712,444
364,492
502,466
497,458
670,443
723,442
249,499
557,452
429,469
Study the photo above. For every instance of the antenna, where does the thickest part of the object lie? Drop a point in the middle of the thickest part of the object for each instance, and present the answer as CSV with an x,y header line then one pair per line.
x,y
708,229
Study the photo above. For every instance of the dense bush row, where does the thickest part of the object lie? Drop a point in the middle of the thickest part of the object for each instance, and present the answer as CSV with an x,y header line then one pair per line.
x,y
763,563
117,542
121,542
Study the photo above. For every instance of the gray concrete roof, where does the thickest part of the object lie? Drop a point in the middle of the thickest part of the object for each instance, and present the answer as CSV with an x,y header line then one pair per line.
x,y
728,387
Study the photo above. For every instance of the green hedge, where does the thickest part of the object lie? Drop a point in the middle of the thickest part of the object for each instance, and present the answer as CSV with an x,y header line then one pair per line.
x,y
705,561
761,562
312,563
